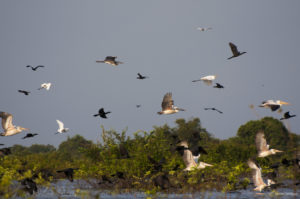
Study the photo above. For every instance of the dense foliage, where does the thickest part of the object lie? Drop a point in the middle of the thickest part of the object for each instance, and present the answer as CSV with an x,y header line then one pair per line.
x,y
144,157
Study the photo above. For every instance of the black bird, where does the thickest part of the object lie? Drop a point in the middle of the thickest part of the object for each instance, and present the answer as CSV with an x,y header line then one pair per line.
x,y
29,185
29,135
235,51
214,109
138,105
24,92
110,60
287,116
68,172
1,144
35,68
218,86
291,162
5,151
141,76
102,113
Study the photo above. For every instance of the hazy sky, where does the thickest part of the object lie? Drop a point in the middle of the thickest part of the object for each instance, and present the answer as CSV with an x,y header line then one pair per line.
x,y
158,39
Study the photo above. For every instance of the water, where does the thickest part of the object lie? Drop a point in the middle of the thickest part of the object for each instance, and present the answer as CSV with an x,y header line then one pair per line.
x,y
85,189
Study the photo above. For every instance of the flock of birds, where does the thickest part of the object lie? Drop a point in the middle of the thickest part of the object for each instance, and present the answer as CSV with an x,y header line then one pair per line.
x,y
190,154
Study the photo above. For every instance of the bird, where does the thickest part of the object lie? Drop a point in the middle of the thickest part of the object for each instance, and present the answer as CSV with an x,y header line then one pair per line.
x,y
138,105
214,109
204,29
167,105
35,68
110,60
24,92
1,144
141,76
29,135
273,105
69,172
262,147
8,127
235,51
61,128
290,162
218,86
45,86
207,79
287,115
102,113
29,185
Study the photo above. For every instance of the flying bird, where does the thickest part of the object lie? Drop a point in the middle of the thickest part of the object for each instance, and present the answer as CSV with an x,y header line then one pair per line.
x,y
141,76
204,29
218,86
138,105
262,146
69,172
35,68
207,79
273,105
102,113
214,109
110,60
30,135
61,128
235,51
24,92
45,86
7,125
167,105
287,116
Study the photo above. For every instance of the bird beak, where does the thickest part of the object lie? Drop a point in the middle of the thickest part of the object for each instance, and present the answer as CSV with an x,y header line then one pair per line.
x,y
25,129
286,103
278,151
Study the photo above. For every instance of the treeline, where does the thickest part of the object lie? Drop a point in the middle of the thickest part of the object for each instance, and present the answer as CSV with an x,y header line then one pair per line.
x,y
146,155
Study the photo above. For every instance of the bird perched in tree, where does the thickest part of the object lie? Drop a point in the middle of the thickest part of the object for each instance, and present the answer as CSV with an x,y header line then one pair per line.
x,y
30,135
102,113
141,76
69,172
207,79
110,60
24,92
287,116
218,86
234,51
262,146
61,128
273,105
7,125
214,109
45,86
35,68
167,105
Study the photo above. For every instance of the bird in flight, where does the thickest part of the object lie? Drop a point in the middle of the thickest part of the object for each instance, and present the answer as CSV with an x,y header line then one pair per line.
x,y
167,105
262,146
110,60
102,113
207,79
218,86
45,86
273,105
214,109
30,135
256,176
287,116
141,76
138,105
35,68
7,125
61,128
24,92
204,29
234,51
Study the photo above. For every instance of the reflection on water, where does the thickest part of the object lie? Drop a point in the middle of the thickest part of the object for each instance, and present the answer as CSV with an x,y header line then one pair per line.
x,y
85,189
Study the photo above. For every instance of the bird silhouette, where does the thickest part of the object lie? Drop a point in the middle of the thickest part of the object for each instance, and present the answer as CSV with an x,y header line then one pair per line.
x,y
234,51
35,68
24,92
214,109
102,113
29,135
69,172
218,86
141,76
287,115
204,29
110,60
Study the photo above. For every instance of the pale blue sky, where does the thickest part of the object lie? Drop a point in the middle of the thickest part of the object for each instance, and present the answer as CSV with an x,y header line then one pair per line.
x,y
158,39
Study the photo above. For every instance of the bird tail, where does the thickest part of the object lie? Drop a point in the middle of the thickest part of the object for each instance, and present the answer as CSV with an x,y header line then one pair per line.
x,y
96,115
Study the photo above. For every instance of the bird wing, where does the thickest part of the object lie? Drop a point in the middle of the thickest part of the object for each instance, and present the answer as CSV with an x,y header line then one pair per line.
x,y
274,107
256,173
110,58
6,120
60,124
207,82
260,141
188,158
233,49
167,102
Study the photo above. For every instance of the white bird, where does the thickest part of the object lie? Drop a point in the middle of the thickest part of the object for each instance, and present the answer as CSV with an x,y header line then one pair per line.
x,y
262,147
273,105
257,179
7,125
167,105
45,86
204,29
207,79
61,128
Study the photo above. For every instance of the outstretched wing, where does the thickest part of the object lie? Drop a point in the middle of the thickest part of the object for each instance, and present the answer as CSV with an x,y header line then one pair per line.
x,y
167,102
60,124
260,141
6,120
256,173
234,49
110,58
